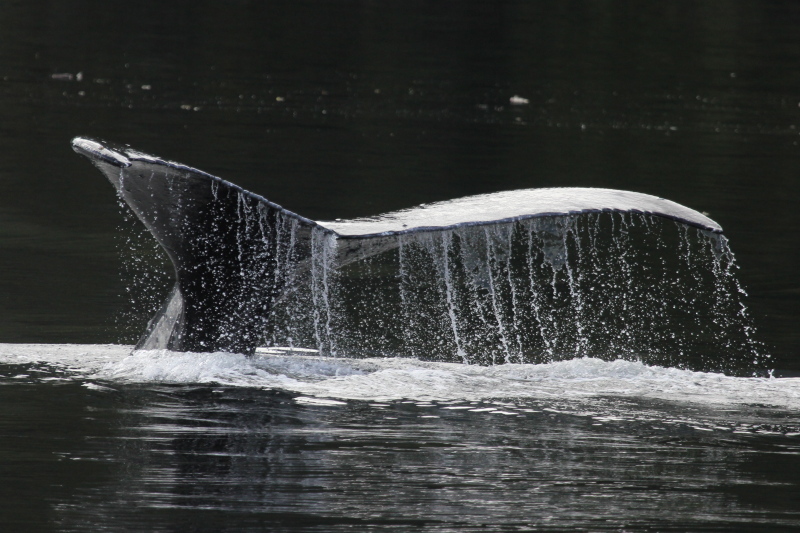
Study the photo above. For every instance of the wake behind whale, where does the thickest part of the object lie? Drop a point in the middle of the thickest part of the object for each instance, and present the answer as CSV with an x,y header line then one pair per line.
x,y
518,276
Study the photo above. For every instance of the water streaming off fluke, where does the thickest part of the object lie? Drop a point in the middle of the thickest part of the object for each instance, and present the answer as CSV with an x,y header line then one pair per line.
x,y
515,277
605,285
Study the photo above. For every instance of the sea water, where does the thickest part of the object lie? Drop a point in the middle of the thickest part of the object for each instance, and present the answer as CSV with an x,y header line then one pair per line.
x,y
106,438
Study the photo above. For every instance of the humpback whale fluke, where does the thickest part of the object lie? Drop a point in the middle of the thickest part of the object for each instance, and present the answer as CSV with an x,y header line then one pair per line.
x,y
236,254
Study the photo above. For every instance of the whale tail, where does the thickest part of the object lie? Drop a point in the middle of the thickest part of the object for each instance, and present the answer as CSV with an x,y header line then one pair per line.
x,y
236,254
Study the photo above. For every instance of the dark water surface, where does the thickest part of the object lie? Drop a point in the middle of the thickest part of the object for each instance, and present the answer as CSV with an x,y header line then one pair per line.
x,y
86,457
342,109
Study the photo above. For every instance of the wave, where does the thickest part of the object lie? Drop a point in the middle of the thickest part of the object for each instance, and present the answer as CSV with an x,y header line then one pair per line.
x,y
391,379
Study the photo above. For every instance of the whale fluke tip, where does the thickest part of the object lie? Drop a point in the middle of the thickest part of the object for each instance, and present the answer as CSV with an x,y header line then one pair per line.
x,y
95,150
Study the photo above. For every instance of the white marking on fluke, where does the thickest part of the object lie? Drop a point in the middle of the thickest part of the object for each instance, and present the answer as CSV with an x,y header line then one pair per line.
x,y
508,206
92,148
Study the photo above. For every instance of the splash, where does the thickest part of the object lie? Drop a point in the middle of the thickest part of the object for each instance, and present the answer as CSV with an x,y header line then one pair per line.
x,y
561,385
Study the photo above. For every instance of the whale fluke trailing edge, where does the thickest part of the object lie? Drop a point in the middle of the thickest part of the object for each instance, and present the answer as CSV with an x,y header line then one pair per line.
x,y
235,252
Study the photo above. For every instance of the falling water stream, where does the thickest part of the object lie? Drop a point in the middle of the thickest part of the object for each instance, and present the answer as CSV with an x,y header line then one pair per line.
x,y
607,285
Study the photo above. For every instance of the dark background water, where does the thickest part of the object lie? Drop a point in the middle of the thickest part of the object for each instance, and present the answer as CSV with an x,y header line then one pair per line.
x,y
182,458
339,109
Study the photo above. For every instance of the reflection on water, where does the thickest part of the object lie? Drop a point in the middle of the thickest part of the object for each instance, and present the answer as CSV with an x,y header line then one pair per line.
x,y
575,445
159,458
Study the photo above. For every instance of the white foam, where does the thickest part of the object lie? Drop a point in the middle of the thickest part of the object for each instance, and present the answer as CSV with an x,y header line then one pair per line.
x,y
402,378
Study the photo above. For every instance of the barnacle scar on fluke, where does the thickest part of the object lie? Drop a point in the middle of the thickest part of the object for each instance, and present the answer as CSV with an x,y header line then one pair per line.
x,y
237,255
